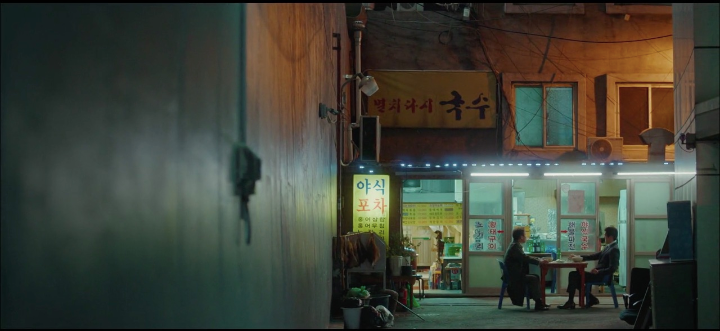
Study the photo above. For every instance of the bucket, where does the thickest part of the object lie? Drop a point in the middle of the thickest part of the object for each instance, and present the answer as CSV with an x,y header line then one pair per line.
x,y
380,299
352,317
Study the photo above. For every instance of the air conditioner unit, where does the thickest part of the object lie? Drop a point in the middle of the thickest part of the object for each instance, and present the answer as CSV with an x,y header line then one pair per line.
x,y
605,149
409,7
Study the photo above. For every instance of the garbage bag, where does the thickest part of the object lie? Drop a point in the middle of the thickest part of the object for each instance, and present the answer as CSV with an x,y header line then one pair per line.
x,y
387,318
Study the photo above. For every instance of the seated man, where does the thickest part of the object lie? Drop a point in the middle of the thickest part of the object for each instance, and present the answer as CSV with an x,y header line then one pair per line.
x,y
516,263
608,262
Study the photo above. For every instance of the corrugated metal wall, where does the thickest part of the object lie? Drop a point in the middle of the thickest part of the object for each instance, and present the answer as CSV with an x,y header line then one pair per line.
x,y
118,123
291,70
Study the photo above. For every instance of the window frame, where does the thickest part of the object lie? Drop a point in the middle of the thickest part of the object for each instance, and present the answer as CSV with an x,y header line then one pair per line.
x,y
510,149
631,153
544,87
647,8
548,8
650,87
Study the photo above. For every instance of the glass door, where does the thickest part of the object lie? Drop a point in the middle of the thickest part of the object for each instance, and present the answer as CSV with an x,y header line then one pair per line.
x,y
485,231
648,216
577,229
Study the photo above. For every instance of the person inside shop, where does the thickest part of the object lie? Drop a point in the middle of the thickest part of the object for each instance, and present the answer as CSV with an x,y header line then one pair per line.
x,y
517,265
608,262
440,244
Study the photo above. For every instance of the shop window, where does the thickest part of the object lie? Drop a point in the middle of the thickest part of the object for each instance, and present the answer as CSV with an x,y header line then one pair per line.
x,y
578,235
644,106
577,198
485,199
486,235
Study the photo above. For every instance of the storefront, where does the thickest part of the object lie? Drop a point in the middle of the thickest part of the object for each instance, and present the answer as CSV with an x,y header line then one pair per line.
x,y
472,208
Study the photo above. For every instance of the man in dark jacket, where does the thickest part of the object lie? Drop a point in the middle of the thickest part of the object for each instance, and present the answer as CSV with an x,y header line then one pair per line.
x,y
516,263
608,262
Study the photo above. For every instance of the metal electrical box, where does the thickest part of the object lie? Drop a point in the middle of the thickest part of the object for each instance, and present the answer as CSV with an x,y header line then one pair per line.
x,y
370,138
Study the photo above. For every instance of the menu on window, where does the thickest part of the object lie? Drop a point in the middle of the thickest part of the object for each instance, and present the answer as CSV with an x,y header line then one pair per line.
x,y
432,214
580,236
486,235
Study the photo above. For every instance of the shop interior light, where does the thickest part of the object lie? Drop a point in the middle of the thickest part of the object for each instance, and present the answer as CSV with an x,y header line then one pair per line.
x,y
655,173
402,164
371,171
474,164
427,164
437,166
454,164
362,167
464,164
500,174
573,174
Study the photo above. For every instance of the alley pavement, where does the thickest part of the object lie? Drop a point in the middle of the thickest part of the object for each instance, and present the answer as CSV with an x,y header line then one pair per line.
x,y
483,313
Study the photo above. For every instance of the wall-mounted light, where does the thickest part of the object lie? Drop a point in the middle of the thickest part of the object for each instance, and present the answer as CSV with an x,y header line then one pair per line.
x,y
367,84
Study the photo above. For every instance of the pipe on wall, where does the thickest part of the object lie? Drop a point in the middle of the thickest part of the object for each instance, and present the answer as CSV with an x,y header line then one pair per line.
x,y
358,26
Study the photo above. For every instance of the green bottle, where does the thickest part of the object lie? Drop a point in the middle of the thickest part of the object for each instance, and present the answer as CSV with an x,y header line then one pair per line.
x,y
559,255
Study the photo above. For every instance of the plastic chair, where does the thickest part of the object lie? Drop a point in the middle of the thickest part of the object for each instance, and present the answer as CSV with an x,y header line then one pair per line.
x,y
504,286
607,280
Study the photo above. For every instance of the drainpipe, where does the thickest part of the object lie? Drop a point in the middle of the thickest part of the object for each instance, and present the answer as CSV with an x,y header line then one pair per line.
x,y
358,26
340,131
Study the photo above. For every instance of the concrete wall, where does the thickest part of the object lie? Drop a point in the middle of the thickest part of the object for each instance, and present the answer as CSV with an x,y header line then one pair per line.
x,y
420,41
118,123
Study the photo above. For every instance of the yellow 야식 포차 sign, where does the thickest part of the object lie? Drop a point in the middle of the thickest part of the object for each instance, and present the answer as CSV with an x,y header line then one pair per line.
x,y
434,99
371,201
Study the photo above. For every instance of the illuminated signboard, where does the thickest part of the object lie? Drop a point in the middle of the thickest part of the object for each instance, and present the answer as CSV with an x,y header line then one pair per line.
x,y
371,200
432,214
434,99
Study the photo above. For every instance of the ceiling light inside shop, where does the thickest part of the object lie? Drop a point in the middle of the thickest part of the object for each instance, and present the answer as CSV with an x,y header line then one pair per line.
x,y
500,174
573,174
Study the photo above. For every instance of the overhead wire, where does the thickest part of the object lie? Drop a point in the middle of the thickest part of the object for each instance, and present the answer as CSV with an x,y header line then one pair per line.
x,y
527,34
560,38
